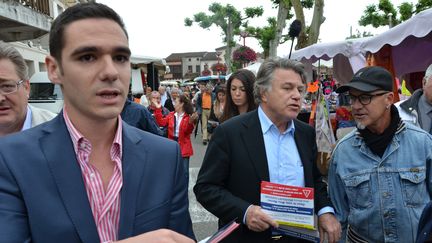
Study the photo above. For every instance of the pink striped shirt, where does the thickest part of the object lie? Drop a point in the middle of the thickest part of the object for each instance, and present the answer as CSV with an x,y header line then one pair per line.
x,y
105,206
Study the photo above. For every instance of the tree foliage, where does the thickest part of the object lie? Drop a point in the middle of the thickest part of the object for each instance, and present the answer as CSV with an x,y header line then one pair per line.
x,y
386,14
275,32
228,18
264,34
358,34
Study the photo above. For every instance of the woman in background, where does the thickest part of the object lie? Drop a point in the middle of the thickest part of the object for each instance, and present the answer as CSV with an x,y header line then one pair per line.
x,y
217,108
239,95
180,123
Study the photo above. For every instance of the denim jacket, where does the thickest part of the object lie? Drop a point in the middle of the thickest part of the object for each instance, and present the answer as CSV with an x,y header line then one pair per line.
x,y
381,199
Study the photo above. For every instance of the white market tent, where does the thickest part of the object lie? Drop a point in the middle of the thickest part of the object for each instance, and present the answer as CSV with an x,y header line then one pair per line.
x,y
410,41
140,63
254,67
139,59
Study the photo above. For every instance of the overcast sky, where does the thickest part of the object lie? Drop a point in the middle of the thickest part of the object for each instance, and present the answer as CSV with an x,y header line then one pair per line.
x,y
156,28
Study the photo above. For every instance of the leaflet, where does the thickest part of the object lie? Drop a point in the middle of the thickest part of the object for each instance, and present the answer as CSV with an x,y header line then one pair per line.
x,y
292,207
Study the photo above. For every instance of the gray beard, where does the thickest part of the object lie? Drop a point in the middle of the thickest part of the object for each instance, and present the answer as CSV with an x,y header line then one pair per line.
x,y
360,126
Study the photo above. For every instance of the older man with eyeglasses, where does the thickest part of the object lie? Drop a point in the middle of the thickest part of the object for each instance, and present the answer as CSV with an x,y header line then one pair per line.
x,y
15,112
418,108
379,181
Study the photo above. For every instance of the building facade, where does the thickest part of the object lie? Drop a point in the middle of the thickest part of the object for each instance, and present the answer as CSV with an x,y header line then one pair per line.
x,y
189,65
25,24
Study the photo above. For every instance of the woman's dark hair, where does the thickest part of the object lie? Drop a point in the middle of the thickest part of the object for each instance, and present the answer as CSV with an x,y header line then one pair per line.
x,y
187,104
247,78
221,88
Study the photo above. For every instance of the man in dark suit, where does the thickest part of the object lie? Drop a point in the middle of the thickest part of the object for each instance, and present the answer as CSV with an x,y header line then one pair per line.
x,y
86,176
267,144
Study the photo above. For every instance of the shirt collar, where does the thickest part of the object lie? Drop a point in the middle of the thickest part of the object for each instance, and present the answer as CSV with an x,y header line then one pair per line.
x,y
80,142
423,102
28,120
179,115
266,123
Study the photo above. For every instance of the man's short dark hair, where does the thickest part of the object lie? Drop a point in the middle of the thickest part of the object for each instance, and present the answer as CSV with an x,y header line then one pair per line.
x,y
75,13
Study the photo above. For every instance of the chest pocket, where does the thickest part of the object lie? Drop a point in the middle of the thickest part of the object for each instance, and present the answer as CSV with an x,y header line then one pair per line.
x,y
358,191
414,188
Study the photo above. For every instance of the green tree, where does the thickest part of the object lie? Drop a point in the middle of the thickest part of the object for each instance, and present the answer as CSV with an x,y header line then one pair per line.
x,y
229,19
271,36
309,34
264,35
358,34
385,14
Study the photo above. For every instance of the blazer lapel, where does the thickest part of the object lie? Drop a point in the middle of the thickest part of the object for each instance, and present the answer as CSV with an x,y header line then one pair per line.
x,y
133,163
254,141
58,149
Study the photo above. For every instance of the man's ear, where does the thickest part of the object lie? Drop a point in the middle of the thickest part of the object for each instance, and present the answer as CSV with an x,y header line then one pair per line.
x,y
390,98
53,69
26,86
263,96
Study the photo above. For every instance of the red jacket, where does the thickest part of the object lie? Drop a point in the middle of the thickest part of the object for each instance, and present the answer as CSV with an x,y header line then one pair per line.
x,y
185,130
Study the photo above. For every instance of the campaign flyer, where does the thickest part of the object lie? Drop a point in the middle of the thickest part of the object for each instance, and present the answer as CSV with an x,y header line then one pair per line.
x,y
292,207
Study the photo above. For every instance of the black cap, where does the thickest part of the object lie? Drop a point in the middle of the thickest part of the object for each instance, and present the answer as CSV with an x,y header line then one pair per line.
x,y
369,79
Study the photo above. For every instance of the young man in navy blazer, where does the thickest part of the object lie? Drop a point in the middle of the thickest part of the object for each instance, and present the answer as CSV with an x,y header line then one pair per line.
x,y
86,176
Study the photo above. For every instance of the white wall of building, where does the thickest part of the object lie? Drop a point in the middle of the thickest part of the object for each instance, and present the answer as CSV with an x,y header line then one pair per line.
x,y
191,61
209,63
34,57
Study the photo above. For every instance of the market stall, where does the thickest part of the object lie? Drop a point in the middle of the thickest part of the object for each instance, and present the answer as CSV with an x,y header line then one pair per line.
x,y
407,47
146,70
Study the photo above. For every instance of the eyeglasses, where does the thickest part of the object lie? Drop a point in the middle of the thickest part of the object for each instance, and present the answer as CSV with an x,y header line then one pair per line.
x,y
364,99
10,87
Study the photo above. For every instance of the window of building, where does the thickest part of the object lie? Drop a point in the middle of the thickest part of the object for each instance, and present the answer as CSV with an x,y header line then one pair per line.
x,y
198,68
190,68
176,69
190,59
42,67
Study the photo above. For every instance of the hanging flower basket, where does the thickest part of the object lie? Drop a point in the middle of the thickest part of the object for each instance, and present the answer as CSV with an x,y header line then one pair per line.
x,y
206,72
219,68
244,54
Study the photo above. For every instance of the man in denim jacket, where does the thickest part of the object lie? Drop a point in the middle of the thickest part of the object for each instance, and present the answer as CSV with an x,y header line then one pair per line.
x,y
379,177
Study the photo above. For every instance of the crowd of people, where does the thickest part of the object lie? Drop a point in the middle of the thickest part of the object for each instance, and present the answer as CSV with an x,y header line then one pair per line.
x,y
110,169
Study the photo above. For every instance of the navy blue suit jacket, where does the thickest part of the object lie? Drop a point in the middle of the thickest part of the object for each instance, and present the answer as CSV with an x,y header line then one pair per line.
x,y
43,198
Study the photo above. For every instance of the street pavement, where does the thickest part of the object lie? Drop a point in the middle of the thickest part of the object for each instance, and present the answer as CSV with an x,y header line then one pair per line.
x,y
204,223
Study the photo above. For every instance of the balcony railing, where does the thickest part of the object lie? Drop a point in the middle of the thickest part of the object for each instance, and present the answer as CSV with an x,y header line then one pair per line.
x,y
41,6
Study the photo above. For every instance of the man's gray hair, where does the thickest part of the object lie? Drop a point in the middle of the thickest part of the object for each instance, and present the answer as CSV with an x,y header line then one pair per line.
x,y
428,72
176,90
154,92
10,53
265,74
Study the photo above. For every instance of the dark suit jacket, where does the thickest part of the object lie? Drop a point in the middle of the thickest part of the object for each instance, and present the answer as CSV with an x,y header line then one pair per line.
x,y
140,117
43,198
169,104
425,225
234,165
